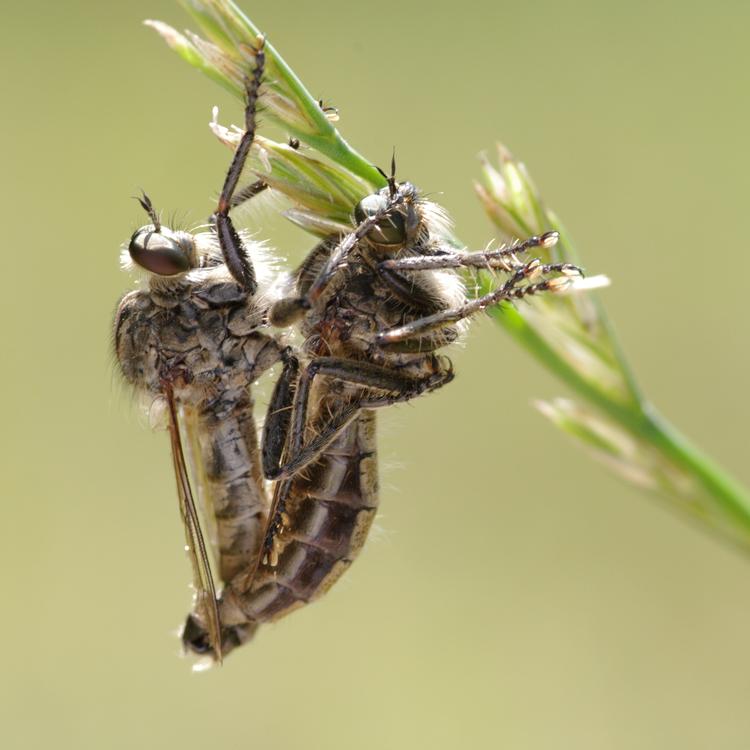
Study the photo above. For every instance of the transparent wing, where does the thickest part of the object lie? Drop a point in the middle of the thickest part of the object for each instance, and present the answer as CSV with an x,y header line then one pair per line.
x,y
188,419
203,581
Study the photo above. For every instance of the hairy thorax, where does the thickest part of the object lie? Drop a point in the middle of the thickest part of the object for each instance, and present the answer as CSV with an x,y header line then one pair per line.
x,y
200,337
364,306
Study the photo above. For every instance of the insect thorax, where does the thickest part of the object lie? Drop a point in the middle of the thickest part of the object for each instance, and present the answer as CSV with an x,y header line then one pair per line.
x,y
199,333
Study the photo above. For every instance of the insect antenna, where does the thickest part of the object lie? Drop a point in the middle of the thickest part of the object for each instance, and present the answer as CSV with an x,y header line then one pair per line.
x,y
229,240
148,207
391,180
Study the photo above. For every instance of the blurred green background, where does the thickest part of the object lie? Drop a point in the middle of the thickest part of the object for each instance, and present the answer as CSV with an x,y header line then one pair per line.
x,y
515,594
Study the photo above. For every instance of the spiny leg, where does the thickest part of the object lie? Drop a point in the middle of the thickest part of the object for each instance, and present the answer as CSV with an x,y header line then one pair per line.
x,y
340,254
249,192
278,417
231,245
286,310
409,291
432,341
277,521
502,259
398,388
442,375
509,290
421,300
308,270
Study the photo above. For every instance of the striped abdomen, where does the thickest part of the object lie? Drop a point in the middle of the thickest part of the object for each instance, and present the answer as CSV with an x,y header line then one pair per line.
x,y
328,512
228,477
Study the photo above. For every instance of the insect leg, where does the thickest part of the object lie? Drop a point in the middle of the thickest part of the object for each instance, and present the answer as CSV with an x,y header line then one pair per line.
x,y
417,343
291,309
229,240
409,291
285,311
398,388
338,257
249,192
308,270
511,289
503,259
276,424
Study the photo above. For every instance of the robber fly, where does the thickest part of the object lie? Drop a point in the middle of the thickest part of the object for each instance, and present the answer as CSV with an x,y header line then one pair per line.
x,y
374,308
321,520
192,339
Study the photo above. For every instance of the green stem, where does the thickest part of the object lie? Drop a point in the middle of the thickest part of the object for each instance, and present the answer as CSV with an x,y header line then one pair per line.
x,y
514,323
729,493
602,317
645,423
326,138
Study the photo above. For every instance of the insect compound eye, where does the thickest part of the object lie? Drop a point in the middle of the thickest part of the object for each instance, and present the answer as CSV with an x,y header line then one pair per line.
x,y
388,231
158,252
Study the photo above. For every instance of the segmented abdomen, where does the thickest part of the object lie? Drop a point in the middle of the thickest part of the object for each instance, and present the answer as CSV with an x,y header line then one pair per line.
x,y
328,512
230,484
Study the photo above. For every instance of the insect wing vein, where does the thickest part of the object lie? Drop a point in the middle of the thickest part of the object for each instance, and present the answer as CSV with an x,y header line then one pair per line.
x,y
202,577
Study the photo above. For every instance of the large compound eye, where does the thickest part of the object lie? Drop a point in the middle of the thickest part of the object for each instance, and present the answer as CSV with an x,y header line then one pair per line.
x,y
158,252
390,230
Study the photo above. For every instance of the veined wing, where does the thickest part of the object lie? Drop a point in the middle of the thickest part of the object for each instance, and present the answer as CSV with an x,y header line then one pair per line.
x,y
203,581
188,420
